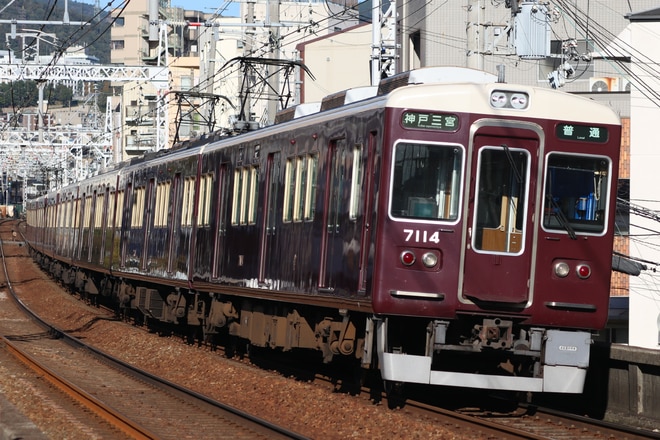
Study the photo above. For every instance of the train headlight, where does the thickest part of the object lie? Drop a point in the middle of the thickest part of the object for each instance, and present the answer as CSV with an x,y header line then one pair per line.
x,y
518,100
498,99
407,258
429,259
561,269
507,99
583,271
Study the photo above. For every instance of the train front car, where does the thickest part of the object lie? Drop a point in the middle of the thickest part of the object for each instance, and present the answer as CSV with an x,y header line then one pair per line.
x,y
492,266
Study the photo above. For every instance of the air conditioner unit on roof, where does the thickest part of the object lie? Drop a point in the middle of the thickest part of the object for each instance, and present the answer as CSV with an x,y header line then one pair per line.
x,y
605,84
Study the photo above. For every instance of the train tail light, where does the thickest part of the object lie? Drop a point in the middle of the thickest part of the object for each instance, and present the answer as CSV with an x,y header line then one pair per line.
x,y
583,271
407,258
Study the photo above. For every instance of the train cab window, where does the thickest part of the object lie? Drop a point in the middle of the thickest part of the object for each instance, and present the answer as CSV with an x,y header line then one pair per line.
x,y
502,180
426,181
576,193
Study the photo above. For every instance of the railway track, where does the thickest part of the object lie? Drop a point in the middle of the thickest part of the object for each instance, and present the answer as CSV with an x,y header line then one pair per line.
x,y
510,420
529,422
121,398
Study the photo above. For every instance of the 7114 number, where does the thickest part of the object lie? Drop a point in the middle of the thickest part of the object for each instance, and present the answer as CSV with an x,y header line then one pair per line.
x,y
420,236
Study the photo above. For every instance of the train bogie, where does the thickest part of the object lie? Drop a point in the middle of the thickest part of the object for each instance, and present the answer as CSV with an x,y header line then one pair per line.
x,y
448,233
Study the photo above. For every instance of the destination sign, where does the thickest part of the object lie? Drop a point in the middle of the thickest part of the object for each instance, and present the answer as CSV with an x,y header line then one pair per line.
x,y
430,121
586,133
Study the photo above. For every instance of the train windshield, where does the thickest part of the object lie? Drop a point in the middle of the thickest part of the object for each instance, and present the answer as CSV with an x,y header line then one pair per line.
x,y
426,181
576,193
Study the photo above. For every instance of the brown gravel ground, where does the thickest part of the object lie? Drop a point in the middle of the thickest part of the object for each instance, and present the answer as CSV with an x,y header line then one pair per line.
x,y
308,408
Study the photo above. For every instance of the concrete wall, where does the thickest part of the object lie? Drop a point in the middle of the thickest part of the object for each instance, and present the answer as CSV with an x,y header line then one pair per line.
x,y
633,386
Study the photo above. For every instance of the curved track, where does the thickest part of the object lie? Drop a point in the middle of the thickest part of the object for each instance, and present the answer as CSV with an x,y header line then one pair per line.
x,y
135,403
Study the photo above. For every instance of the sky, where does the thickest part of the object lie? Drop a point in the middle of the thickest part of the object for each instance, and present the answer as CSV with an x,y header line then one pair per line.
x,y
208,6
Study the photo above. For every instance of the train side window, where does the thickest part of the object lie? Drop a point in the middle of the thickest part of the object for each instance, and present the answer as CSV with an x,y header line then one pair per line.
x,y
76,214
244,204
88,212
310,193
188,198
300,188
204,201
158,209
356,183
98,210
289,189
162,204
245,180
138,208
301,183
253,196
576,193
426,181
119,209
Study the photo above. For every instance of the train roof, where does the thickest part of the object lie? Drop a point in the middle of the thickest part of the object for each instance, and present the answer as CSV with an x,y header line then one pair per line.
x,y
427,89
452,98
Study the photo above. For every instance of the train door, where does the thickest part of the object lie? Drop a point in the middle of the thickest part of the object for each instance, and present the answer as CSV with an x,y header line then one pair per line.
x,y
175,222
340,245
497,268
104,224
91,224
267,267
126,223
148,220
367,199
221,223
81,226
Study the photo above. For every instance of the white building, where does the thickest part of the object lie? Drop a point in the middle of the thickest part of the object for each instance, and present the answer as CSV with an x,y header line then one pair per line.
x,y
645,179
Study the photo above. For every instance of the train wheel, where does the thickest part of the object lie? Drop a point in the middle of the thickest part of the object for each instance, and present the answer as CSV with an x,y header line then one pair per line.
x,y
395,394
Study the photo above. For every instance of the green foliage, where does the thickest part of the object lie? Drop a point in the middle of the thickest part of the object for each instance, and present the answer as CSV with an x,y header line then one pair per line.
x,y
59,94
18,94
95,37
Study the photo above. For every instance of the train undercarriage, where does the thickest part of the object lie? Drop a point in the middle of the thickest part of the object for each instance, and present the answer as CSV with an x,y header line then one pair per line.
x,y
488,352
207,315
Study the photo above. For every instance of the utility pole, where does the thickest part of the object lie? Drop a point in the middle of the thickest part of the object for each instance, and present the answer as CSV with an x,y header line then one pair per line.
x,y
273,24
383,47
474,28
376,13
250,32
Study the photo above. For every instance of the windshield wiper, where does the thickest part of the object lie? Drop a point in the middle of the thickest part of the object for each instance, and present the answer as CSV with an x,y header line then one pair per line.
x,y
561,218
512,162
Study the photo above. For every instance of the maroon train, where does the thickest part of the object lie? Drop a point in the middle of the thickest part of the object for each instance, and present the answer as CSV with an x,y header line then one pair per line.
x,y
449,232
